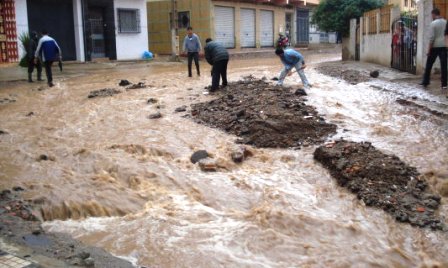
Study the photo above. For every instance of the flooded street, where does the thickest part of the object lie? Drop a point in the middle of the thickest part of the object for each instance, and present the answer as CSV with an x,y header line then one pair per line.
x,y
109,176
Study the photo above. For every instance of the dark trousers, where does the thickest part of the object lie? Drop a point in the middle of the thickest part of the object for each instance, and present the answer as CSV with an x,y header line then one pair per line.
x,y
48,72
32,65
433,54
219,70
193,56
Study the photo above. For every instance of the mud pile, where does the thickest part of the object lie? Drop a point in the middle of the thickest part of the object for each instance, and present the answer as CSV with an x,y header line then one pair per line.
x,y
351,76
382,181
264,115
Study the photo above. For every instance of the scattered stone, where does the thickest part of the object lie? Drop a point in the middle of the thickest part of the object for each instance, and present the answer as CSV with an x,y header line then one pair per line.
x,y
89,262
342,72
374,74
181,109
105,92
137,86
382,181
36,232
160,106
155,115
300,92
208,165
18,189
124,83
190,88
152,101
414,97
7,100
237,155
84,255
263,116
44,157
198,155
30,114
422,107
2,132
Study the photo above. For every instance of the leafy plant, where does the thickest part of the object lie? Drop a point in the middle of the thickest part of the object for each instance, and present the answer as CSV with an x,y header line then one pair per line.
x,y
25,40
335,15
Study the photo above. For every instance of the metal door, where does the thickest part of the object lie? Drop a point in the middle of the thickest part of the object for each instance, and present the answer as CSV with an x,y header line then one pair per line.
x,y
247,32
404,44
97,33
56,16
267,28
225,26
303,26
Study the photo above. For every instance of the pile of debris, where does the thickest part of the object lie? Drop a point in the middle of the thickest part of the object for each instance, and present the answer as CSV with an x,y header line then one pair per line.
x,y
264,115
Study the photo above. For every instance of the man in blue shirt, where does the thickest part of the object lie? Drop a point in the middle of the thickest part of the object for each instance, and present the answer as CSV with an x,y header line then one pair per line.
x,y
192,46
48,51
292,59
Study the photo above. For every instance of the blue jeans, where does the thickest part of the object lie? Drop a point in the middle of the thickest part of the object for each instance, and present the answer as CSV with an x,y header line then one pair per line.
x,y
300,71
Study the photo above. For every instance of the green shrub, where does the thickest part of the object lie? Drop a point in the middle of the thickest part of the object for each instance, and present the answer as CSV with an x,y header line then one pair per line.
x,y
25,40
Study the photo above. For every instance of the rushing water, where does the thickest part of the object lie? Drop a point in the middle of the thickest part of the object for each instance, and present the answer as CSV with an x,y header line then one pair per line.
x,y
278,209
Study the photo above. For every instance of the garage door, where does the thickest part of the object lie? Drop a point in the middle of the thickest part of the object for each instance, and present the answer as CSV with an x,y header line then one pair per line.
x,y
225,26
267,28
247,33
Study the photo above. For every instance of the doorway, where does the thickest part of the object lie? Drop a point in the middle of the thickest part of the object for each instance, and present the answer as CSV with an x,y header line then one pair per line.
x,y
96,22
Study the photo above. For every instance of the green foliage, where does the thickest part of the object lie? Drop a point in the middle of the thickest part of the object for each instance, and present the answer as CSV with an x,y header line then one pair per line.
x,y
335,15
25,40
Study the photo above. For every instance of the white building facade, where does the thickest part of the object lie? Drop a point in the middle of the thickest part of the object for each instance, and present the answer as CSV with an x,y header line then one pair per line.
x,y
88,29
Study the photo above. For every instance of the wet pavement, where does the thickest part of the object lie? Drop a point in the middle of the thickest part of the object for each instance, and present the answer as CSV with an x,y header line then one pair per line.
x,y
106,174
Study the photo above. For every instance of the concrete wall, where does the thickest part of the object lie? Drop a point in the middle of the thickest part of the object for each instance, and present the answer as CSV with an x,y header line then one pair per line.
x,y
21,23
424,20
131,46
159,22
376,48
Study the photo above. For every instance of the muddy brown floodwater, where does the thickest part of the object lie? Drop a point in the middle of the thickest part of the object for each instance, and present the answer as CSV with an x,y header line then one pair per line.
x,y
108,175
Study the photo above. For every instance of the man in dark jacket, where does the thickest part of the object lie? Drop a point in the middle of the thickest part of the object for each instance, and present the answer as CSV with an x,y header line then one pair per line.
x,y
217,56
50,52
30,51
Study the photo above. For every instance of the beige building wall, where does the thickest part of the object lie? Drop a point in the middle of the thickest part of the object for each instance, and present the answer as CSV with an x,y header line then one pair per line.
x,y
404,5
159,22
279,19
202,21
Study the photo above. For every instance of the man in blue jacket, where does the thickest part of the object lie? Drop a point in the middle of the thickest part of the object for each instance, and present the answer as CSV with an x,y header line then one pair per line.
x,y
192,46
292,59
48,51
217,56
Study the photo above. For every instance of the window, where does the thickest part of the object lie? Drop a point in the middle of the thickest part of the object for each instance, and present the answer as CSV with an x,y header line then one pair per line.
x,y
128,20
183,19
385,19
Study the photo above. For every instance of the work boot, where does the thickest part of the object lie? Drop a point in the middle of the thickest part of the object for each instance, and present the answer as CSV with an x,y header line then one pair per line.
x,y
50,84
30,79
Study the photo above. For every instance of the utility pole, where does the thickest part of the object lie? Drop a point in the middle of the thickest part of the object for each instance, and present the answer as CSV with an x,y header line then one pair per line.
x,y
174,32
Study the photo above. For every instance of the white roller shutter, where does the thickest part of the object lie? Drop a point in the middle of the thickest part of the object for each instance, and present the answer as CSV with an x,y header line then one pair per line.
x,y
247,32
267,28
225,26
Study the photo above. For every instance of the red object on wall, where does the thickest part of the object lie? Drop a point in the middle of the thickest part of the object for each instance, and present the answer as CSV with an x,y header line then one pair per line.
x,y
8,32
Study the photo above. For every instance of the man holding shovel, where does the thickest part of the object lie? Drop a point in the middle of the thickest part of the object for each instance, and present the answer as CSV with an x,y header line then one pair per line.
x,y
292,59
